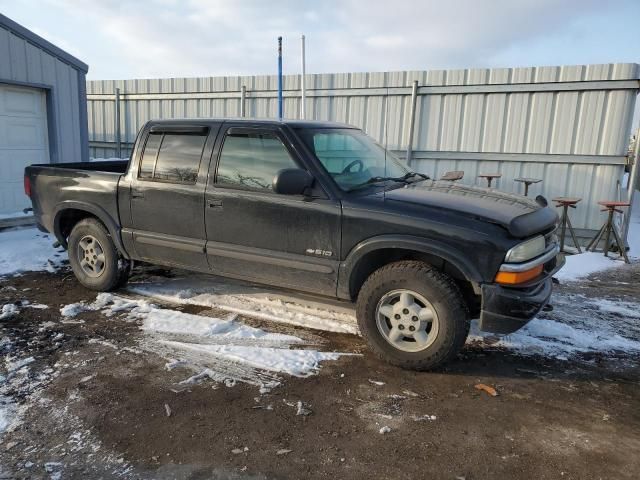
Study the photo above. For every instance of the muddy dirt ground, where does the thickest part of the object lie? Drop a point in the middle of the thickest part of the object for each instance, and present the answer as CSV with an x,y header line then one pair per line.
x,y
96,405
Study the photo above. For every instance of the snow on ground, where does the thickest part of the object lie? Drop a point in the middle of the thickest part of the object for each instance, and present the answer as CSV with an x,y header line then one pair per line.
x,y
584,264
246,299
576,325
17,378
28,249
223,350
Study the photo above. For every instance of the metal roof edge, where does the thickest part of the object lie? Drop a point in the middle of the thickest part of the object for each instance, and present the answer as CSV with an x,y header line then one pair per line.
x,y
40,42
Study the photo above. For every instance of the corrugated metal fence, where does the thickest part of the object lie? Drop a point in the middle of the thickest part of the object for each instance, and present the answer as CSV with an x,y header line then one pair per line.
x,y
567,125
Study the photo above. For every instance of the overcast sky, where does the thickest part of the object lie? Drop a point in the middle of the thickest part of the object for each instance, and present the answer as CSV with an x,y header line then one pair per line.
x,y
162,38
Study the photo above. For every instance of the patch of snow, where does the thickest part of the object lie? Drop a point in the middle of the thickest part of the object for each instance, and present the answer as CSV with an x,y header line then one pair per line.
x,y
17,383
171,322
251,300
576,325
423,418
384,430
105,343
74,309
223,350
15,365
303,410
38,306
625,309
8,413
584,264
108,303
28,249
8,310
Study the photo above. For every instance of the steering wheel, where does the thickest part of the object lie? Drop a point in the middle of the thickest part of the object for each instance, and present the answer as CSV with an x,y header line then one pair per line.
x,y
348,168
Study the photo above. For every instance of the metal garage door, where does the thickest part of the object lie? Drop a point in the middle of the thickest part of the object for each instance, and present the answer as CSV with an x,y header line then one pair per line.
x,y
23,141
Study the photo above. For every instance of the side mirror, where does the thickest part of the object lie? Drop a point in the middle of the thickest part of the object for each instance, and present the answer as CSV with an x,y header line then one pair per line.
x,y
292,181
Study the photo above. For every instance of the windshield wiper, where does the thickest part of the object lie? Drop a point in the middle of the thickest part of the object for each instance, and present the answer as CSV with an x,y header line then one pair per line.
x,y
403,179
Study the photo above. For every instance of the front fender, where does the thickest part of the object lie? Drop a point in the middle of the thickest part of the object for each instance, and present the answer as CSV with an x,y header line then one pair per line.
x,y
405,242
97,211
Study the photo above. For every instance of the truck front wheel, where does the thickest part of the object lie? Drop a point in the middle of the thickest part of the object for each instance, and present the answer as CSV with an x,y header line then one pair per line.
x,y
94,258
412,315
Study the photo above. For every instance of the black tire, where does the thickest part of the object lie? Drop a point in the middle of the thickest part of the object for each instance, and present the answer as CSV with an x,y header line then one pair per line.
x,y
115,272
443,295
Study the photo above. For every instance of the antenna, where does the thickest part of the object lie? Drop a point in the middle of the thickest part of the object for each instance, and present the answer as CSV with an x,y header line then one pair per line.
x,y
280,78
386,137
302,83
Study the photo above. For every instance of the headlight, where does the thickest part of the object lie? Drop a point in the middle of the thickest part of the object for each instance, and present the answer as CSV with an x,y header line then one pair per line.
x,y
526,250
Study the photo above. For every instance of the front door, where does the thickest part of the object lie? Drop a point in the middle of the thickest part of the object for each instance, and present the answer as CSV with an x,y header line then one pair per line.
x,y
256,234
167,197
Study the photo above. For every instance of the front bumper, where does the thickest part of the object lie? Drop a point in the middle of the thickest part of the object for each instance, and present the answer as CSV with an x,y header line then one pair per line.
x,y
507,309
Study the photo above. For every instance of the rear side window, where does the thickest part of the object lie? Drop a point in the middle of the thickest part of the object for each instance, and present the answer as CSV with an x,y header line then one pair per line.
x,y
172,157
149,155
251,160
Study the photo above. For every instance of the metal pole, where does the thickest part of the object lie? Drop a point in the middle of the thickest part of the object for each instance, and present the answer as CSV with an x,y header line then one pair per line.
x,y
279,77
117,120
412,120
302,83
243,97
632,186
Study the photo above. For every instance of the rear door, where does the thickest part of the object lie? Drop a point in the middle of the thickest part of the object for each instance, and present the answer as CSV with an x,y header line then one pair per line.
x,y
257,234
167,196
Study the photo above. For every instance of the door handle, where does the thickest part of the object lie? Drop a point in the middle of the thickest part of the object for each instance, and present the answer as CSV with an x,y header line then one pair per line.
x,y
137,194
215,203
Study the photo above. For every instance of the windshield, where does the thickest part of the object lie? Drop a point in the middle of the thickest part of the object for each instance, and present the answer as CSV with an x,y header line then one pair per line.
x,y
352,158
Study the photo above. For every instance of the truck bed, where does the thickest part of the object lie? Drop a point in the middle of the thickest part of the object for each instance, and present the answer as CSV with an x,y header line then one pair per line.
x,y
88,186
112,166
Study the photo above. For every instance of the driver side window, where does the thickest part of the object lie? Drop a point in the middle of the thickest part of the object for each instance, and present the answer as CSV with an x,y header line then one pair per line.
x,y
251,160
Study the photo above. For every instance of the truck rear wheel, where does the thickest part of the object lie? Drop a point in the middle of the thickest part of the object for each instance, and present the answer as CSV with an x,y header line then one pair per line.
x,y
412,315
94,258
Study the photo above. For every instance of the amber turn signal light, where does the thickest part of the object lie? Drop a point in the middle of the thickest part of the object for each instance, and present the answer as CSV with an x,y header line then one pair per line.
x,y
513,278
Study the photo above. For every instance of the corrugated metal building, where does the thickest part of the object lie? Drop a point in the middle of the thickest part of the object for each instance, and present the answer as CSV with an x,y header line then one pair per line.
x,y
567,125
43,109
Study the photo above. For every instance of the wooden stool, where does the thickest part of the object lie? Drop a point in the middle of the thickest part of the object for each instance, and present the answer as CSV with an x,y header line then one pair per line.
x,y
527,182
453,176
566,203
489,177
608,228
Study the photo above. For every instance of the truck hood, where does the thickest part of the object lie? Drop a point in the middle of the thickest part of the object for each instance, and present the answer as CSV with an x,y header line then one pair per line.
x,y
521,216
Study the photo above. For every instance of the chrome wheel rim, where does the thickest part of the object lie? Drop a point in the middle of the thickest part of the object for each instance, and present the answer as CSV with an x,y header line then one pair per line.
x,y
91,256
407,320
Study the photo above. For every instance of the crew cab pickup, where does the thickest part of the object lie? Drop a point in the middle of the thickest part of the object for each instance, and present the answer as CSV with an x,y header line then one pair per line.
x,y
312,206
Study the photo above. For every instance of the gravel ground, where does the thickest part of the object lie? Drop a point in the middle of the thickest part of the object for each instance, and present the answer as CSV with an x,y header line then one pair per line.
x,y
92,402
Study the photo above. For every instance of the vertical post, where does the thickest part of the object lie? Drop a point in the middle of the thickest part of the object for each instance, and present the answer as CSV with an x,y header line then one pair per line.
x,y
631,187
302,83
279,77
412,120
117,125
243,97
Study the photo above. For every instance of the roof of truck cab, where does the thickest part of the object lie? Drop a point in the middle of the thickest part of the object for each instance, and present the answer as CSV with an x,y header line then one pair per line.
x,y
263,121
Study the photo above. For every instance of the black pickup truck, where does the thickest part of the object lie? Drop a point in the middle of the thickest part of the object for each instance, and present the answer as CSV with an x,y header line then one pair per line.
x,y
312,206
